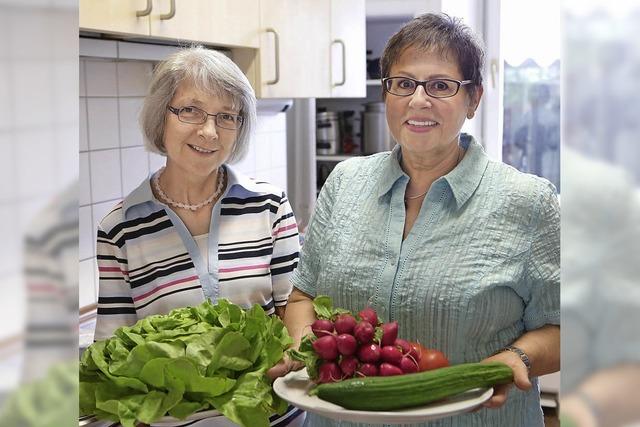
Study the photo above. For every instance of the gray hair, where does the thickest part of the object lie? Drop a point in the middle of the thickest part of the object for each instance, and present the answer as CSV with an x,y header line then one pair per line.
x,y
209,71
443,34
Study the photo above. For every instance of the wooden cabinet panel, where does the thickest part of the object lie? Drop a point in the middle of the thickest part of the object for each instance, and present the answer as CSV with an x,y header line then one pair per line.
x,y
348,49
115,16
294,48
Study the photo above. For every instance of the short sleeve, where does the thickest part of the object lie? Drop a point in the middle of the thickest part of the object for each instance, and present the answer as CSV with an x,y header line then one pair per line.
x,y
286,247
311,255
542,269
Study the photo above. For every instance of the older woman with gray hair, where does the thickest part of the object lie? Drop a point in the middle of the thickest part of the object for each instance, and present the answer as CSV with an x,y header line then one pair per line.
x,y
197,228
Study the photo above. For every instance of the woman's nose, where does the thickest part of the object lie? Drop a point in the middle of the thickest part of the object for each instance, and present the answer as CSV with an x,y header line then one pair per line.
x,y
208,129
420,99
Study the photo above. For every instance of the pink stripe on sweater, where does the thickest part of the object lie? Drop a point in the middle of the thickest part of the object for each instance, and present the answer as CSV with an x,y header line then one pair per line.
x,y
244,267
288,227
112,269
166,285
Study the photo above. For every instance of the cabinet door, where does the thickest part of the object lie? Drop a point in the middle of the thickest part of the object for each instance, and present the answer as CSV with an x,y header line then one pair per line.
x,y
294,48
115,16
348,49
220,22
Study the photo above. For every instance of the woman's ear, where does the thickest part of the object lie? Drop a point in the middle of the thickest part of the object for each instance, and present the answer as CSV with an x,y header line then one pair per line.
x,y
475,101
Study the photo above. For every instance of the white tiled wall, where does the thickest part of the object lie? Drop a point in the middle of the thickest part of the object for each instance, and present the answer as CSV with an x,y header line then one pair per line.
x,y
113,160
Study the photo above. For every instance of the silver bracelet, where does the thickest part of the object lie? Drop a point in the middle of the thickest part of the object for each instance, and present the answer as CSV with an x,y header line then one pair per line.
x,y
523,356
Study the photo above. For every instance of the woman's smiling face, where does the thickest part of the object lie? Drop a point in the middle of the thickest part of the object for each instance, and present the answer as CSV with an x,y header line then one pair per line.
x,y
198,149
421,123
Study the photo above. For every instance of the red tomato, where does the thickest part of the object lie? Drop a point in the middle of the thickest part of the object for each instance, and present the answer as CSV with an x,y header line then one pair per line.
x,y
432,359
429,358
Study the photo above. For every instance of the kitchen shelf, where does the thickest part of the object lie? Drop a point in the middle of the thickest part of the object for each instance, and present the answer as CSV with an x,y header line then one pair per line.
x,y
334,157
375,82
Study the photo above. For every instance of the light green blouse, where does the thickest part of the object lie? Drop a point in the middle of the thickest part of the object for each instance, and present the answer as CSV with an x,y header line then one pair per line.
x,y
480,267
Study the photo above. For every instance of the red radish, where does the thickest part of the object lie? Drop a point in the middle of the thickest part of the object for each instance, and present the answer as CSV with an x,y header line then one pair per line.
x,y
344,324
369,353
391,354
370,315
387,369
403,345
329,372
364,332
348,366
326,347
322,327
389,333
408,365
346,344
368,370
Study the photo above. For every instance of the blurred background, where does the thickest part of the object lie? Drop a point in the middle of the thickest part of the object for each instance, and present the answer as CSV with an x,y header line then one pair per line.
x,y
562,100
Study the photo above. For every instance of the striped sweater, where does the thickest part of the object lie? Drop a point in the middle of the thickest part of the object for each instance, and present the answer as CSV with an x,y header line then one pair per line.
x,y
149,263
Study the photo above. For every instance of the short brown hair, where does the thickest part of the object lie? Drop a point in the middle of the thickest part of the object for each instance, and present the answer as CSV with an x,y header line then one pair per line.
x,y
441,33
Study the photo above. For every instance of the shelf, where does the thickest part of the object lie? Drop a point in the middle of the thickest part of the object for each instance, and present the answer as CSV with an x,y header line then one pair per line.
x,y
374,82
334,157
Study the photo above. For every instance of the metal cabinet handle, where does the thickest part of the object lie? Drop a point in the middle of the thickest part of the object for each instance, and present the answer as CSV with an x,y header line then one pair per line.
x,y
172,11
344,62
146,11
277,43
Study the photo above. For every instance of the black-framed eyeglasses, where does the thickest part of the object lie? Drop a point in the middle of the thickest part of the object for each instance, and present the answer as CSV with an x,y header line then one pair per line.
x,y
437,88
196,116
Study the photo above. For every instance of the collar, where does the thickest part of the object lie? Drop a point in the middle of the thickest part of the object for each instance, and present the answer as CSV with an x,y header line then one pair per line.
x,y
391,171
143,194
465,178
462,180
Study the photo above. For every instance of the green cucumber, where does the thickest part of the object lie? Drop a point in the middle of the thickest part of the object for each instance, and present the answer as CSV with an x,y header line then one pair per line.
x,y
409,390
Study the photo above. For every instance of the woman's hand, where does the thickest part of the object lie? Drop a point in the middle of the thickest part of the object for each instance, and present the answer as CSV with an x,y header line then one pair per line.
x,y
520,378
283,367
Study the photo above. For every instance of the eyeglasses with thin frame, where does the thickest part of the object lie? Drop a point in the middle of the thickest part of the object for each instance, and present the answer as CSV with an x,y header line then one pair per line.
x,y
196,116
436,88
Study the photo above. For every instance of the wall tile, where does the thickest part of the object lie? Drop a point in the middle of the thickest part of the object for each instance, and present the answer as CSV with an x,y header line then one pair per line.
x,y
279,122
156,161
82,79
84,132
135,168
32,80
27,143
262,152
101,77
129,110
105,175
10,252
6,82
7,173
84,190
278,146
134,77
87,282
248,164
87,235
99,211
103,123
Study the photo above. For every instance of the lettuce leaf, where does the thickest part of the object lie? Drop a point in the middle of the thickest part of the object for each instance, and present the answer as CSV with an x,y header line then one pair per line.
x,y
213,356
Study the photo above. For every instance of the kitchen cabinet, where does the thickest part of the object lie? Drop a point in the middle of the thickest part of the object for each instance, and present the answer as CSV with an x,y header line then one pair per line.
x,y
220,22
116,16
232,23
348,49
312,55
294,48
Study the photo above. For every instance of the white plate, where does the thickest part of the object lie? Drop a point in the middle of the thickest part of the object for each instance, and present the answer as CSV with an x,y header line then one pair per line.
x,y
172,421
294,388
166,421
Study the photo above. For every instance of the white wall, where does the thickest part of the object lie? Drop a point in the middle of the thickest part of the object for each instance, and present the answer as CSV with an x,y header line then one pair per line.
x,y
113,160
